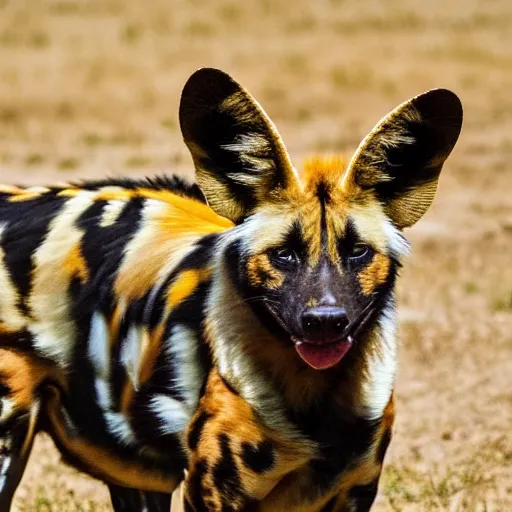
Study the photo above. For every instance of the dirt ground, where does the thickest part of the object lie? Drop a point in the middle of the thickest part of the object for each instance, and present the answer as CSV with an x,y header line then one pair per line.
x,y
91,88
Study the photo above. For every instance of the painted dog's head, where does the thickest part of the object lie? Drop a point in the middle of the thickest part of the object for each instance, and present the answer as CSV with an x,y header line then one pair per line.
x,y
315,257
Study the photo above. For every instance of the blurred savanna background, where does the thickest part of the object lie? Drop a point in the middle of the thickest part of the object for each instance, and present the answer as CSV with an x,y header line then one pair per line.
x,y
90,88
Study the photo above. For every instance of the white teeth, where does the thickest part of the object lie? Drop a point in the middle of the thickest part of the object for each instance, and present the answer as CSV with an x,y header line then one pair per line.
x,y
297,343
349,339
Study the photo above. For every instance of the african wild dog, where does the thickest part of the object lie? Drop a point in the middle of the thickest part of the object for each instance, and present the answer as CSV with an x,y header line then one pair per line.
x,y
242,328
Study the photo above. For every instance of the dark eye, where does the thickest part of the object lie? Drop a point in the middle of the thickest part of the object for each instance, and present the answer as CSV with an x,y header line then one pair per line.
x,y
285,256
358,251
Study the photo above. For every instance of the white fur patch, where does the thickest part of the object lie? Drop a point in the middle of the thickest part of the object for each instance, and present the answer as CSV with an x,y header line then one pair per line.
x,y
54,331
111,212
119,426
55,341
103,393
8,407
379,380
100,357
258,233
184,352
130,354
248,143
37,190
398,246
99,345
172,414
249,147
5,464
9,311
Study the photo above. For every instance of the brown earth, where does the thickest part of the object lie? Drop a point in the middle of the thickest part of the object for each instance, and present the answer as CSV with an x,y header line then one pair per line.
x,y
91,88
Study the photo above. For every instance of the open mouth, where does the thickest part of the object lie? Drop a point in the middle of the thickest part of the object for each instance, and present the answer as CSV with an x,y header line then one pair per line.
x,y
322,356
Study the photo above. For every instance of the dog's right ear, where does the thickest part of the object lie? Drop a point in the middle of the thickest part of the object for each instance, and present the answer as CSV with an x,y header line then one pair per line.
x,y
402,157
240,159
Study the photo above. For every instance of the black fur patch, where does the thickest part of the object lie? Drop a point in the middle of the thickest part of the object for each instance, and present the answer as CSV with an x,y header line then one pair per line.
x,y
21,340
174,184
330,506
196,429
342,437
260,457
132,500
363,496
214,113
225,473
295,241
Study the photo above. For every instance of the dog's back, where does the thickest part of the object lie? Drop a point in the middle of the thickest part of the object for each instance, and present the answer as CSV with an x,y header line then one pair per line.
x,y
88,277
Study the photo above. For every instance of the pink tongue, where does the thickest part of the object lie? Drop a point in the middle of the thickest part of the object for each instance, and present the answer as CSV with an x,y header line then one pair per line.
x,y
321,357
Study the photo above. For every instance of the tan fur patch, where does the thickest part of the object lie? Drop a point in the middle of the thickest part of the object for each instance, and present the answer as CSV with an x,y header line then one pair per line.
x,y
5,329
310,219
324,171
150,349
388,418
322,177
75,264
127,396
260,272
10,189
374,274
25,194
22,375
171,226
185,285
115,323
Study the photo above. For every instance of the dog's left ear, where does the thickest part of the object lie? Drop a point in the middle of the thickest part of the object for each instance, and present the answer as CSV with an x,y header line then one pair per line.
x,y
402,157
240,159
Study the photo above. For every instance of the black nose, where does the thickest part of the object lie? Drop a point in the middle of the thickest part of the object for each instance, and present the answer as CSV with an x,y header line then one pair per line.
x,y
324,323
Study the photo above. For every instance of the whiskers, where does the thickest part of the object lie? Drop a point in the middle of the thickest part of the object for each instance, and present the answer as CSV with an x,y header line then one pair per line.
x,y
242,303
260,298
355,327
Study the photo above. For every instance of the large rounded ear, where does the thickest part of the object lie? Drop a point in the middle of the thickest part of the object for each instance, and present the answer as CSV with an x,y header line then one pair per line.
x,y
402,157
239,157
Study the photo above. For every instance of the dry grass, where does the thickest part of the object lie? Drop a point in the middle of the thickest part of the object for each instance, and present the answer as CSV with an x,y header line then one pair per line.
x,y
91,88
